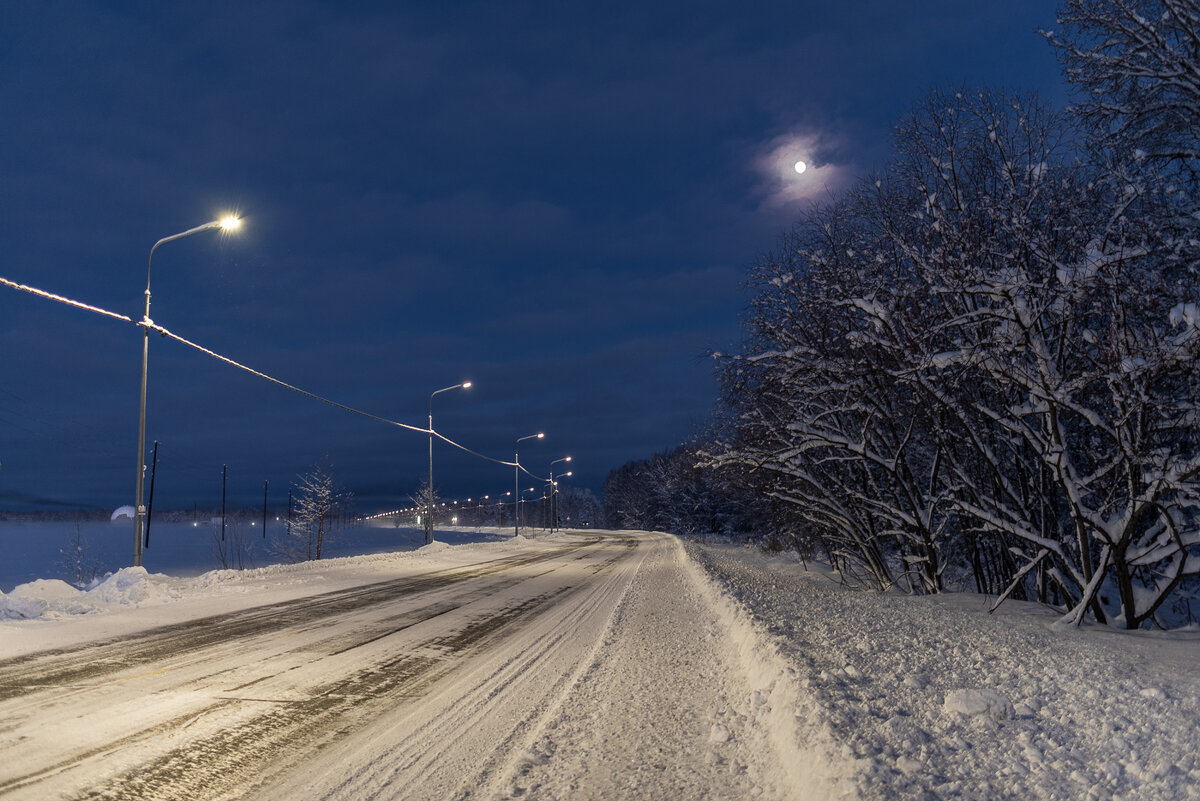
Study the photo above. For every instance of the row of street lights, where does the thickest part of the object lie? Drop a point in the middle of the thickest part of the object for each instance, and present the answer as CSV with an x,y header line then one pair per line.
x,y
229,224
516,467
481,502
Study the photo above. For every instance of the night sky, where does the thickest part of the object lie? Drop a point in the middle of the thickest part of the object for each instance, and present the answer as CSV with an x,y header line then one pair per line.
x,y
558,202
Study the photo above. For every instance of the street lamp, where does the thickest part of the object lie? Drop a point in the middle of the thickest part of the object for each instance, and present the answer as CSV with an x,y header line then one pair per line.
x,y
522,496
517,482
229,222
554,489
429,499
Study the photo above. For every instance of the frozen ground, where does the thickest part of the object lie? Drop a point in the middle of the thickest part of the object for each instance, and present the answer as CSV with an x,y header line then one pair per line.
x,y
586,665
933,698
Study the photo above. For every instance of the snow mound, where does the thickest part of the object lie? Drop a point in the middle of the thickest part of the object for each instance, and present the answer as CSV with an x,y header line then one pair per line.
x,y
46,590
40,598
128,586
15,608
122,513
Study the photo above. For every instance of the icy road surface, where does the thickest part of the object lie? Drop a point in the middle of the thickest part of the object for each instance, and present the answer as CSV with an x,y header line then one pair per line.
x,y
583,666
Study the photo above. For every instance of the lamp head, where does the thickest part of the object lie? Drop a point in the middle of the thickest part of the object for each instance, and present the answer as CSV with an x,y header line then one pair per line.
x,y
541,436
230,222
466,385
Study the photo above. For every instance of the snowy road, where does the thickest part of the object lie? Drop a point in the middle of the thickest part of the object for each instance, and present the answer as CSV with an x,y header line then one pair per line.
x,y
583,666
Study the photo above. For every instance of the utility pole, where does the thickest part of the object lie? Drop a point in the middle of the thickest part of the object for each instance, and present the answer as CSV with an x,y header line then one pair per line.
x,y
224,471
150,502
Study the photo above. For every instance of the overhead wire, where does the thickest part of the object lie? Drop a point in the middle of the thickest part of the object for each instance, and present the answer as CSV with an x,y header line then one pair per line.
x,y
150,325
51,296
153,326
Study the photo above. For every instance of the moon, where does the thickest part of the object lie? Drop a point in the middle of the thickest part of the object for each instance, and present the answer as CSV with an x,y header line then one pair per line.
x,y
801,166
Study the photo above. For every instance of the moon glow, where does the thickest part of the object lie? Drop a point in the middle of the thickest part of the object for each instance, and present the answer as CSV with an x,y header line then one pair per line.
x,y
801,166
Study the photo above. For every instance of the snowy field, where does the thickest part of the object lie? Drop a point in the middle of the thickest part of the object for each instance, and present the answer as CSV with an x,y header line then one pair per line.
x,y
36,550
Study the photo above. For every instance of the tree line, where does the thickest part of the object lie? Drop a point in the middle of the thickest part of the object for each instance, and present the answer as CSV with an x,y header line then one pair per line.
x,y
982,360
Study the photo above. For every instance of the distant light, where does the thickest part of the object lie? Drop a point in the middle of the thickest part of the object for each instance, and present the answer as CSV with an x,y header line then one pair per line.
x,y
801,166
231,222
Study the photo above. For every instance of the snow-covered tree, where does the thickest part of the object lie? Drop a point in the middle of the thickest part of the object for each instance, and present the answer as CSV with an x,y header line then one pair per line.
x,y
984,356
427,502
77,560
578,507
318,511
670,492
1136,64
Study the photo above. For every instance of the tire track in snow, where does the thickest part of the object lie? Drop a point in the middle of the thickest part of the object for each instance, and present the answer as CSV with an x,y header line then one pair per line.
x,y
274,733
33,672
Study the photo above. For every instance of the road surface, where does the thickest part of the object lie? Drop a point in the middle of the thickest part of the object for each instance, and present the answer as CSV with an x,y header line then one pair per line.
x,y
584,666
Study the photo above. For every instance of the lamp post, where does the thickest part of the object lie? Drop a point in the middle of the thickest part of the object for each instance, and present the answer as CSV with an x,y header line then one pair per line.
x,y
429,498
517,482
227,223
522,496
554,495
554,489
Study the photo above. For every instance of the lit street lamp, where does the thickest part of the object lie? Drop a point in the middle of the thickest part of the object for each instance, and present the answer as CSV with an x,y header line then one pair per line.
x,y
522,496
554,489
429,516
517,482
227,223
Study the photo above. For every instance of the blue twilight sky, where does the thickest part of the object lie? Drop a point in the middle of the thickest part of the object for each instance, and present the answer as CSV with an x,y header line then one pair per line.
x,y
557,202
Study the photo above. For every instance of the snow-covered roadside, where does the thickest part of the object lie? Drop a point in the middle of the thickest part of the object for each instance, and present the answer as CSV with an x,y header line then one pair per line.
x,y
49,613
935,698
813,765
682,698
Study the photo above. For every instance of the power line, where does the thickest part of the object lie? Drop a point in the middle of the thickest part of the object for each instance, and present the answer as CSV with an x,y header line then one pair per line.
x,y
151,325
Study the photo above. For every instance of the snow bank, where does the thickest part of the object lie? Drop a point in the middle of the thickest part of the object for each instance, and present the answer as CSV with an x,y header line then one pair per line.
x,y
935,698
817,767
51,599
129,586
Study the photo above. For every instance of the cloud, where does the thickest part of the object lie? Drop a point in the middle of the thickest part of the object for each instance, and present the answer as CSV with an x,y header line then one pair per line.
x,y
826,174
